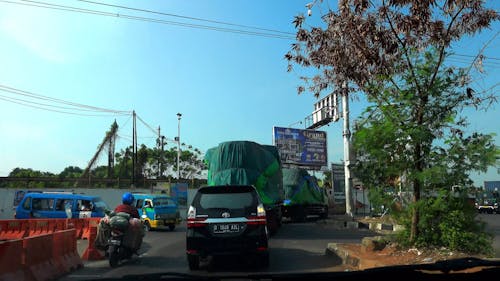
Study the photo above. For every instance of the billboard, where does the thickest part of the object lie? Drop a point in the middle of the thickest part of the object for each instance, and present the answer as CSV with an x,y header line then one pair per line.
x,y
179,192
297,147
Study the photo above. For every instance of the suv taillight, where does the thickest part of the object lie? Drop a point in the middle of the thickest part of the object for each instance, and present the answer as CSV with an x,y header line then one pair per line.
x,y
191,213
192,221
260,219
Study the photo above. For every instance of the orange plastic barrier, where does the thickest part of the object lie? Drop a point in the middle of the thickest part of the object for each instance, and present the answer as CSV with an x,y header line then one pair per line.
x,y
21,228
79,225
38,258
65,253
47,256
91,253
39,227
61,224
89,222
11,267
13,229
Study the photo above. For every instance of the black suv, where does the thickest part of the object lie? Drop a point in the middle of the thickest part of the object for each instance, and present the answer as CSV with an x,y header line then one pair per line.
x,y
226,220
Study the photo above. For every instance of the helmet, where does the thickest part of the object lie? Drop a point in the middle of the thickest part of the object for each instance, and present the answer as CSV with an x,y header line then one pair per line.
x,y
127,198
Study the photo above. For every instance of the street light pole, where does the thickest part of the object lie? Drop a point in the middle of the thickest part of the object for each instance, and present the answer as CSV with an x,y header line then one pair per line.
x,y
178,146
347,151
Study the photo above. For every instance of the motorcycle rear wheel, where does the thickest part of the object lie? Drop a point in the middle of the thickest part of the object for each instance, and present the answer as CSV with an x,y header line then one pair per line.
x,y
114,256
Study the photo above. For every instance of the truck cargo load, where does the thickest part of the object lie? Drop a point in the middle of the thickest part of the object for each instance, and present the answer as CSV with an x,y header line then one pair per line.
x,y
303,196
249,163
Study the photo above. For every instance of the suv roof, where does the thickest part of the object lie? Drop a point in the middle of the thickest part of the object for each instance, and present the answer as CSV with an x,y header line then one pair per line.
x,y
148,196
60,195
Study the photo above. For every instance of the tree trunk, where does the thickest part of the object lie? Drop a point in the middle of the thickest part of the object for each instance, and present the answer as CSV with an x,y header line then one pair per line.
x,y
419,167
416,214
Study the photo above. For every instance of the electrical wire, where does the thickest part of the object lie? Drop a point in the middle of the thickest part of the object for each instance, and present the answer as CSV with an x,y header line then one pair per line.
x,y
44,104
186,17
60,101
146,19
471,56
147,125
53,110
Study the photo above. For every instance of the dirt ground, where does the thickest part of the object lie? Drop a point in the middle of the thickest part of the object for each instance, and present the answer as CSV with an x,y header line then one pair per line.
x,y
391,255
364,257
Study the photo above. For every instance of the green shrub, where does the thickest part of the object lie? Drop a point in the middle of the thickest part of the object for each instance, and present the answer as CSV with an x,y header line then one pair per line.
x,y
448,221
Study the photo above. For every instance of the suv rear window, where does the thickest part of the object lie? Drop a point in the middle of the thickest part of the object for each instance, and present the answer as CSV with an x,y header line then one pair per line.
x,y
240,201
226,200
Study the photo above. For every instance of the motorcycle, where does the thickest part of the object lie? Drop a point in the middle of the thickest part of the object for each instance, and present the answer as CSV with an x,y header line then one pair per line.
x,y
124,239
117,251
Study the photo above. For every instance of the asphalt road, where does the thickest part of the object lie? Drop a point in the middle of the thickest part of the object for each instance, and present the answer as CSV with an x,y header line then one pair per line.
x,y
297,247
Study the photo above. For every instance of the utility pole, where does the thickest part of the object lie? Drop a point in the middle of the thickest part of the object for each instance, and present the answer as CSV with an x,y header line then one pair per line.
x,y
178,146
346,134
134,147
160,145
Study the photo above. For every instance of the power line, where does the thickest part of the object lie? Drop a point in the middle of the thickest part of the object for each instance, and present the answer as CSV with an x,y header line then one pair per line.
x,y
145,19
482,50
146,124
483,60
186,17
472,56
60,101
43,104
124,137
490,88
53,110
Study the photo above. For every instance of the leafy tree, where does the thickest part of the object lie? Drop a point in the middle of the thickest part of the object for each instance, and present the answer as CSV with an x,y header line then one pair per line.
x,y
30,173
71,172
191,163
123,166
377,48
385,142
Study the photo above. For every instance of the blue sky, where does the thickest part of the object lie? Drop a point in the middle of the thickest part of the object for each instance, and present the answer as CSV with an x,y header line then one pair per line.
x,y
227,86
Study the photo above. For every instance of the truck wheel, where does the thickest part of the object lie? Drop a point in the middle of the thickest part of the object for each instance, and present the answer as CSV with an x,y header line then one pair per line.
x,y
300,215
171,227
325,214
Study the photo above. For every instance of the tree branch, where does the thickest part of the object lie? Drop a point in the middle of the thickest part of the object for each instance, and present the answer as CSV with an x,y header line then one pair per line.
x,y
403,45
443,47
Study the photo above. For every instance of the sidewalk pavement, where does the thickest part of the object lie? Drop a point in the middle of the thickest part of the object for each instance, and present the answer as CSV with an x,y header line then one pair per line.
x,y
360,222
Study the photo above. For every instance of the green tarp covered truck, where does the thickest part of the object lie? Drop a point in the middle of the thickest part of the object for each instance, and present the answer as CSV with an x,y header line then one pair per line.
x,y
303,196
250,163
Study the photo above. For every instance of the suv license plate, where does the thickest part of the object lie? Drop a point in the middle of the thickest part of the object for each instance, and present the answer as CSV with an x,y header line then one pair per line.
x,y
226,228
115,242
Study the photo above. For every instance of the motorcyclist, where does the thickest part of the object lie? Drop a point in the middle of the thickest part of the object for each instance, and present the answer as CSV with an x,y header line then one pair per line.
x,y
127,207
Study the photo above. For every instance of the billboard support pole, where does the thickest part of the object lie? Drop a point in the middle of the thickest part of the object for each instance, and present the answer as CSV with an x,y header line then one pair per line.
x,y
347,151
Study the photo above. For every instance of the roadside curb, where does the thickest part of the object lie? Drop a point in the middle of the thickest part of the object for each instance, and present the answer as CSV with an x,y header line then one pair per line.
x,y
374,226
334,249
